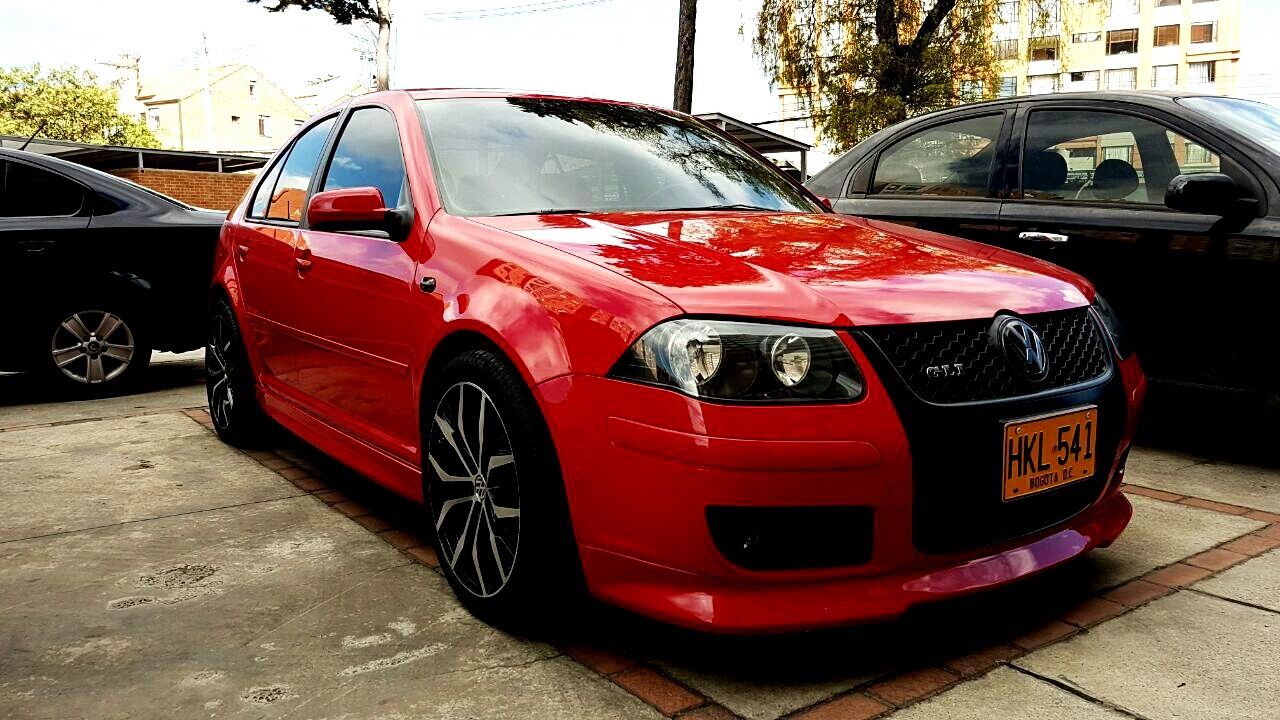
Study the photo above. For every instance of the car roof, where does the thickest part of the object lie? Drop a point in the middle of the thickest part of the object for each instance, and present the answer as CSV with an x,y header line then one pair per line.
x,y
453,93
1140,97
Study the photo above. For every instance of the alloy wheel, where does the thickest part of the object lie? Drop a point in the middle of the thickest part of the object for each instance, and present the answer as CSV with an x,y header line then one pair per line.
x,y
219,369
93,346
474,488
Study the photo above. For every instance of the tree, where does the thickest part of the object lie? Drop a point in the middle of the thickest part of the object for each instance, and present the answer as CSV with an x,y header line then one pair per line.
x,y
684,56
861,65
345,12
66,104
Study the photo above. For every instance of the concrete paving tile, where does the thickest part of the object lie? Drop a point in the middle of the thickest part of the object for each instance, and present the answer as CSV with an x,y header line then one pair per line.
x,y
1159,534
1256,581
761,697
1244,485
272,609
71,477
1007,694
175,398
1183,656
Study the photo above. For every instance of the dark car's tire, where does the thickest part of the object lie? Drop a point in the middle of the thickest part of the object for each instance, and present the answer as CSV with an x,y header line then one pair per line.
x,y
499,510
233,401
94,347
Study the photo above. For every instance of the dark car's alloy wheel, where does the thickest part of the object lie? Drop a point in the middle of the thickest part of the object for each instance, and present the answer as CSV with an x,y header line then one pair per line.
x,y
229,383
475,489
93,346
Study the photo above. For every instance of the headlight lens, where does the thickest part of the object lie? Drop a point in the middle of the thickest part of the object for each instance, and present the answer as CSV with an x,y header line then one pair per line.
x,y
1114,326
743,361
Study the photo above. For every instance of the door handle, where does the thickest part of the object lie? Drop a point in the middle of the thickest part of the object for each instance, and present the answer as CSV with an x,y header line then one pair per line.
x,y
1044,237
35,247
242,251
302,258
302,263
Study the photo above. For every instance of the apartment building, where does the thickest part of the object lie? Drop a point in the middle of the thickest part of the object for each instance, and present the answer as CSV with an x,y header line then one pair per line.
x,y
1078,45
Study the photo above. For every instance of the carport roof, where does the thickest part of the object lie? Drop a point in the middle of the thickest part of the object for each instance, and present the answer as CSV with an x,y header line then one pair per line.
x,y
116,157
756,137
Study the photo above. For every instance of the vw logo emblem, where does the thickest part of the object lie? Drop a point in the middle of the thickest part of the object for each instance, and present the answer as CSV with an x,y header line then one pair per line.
x,y
1022,347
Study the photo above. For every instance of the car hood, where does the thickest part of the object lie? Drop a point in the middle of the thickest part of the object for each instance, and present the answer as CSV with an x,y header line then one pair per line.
x,y
815,268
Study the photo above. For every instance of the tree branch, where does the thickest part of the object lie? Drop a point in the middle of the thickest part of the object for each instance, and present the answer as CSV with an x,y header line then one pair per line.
x,y
930,26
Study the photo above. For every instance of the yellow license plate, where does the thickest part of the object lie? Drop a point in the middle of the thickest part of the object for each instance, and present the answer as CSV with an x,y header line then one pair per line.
x,y
1042,453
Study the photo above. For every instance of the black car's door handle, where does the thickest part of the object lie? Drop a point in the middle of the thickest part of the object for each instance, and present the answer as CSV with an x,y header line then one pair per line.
x,y
1043,237
35,247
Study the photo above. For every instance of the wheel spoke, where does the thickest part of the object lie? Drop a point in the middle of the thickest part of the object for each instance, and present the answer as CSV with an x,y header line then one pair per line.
x,y
462,430
75,326
475,558
503,513
96,373
484,402
108,325
462,537
66,356
123,353
447,430
448,505
444,476
493,545
498,461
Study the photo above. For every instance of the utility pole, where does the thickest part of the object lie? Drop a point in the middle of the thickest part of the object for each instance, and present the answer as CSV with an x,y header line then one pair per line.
x,y
209,143
684,56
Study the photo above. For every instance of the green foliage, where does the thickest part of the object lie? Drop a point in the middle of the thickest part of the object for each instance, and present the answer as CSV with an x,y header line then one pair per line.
x,y
864,64
70,104
344,12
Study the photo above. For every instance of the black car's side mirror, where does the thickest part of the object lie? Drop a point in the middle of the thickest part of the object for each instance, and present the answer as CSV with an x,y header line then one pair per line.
x,y
1209,194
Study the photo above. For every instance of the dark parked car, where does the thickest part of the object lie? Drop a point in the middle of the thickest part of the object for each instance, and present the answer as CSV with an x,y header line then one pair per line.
x,y
1167,203
98,272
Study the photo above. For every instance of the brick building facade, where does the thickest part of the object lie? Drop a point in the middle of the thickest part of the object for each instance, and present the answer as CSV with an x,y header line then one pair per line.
x,y
215,191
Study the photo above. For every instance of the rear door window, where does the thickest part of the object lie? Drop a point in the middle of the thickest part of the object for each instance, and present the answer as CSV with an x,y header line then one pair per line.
x,y
34,192
950,160
289,193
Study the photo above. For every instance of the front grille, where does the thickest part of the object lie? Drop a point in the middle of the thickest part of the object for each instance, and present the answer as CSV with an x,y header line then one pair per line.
x,y
1073,344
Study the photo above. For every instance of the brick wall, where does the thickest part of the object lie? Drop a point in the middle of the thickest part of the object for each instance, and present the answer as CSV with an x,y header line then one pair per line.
x,y
215,191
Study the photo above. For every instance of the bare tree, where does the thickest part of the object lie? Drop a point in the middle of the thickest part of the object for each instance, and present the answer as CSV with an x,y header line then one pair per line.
x,y
684,55
345,12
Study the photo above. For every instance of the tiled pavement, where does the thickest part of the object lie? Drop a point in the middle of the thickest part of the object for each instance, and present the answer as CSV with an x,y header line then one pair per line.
x,y
1178,619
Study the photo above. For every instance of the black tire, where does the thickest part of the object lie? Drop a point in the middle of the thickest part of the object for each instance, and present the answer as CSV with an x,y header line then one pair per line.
x,y
229,384
517,565
95,347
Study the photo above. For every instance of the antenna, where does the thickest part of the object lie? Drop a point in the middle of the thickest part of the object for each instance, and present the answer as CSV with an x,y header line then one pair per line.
x,y
34,134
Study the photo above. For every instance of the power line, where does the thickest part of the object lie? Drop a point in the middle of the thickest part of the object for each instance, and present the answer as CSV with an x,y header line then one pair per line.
x,y
510,10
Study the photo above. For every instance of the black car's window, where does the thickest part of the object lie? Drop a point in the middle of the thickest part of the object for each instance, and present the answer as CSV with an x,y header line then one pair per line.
x,y
950,160
34,192
829,183
1092,156
528,155
289,195
368,155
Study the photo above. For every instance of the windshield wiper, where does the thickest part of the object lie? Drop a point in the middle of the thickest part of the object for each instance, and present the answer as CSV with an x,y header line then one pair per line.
x,y
727,206
549,211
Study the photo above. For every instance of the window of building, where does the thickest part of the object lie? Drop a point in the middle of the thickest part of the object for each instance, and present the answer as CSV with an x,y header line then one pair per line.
x,y
27,191
1168,35
971,90
1168,3
253,89
1120,42
1047,12
1204,32
282,194
952,160
1086,37
1164,77
368,155
1006,49
153,118
264,126
1008,11
1086,80
1202,73
1043,48
1008,86
1042,84
235,118
1122,79
1124,7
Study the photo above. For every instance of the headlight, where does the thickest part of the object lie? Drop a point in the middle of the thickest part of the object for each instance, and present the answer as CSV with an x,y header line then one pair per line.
x,y
1114,326
743,361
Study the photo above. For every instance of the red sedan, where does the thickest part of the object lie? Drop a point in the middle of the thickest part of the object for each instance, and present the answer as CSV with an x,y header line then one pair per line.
x,y
611,349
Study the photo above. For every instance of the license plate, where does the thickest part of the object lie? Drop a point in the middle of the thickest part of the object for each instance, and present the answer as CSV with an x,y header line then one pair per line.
x,y
1045,452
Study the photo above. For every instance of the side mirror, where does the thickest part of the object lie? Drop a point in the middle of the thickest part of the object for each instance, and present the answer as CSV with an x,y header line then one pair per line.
x,y
1208,194
826,202
356,209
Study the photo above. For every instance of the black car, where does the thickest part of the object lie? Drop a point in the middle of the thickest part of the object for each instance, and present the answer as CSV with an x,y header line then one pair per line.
x,y
1168,203
98,272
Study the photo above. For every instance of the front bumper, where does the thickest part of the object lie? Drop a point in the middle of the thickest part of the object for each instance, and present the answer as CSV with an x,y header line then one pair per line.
x,y
642,465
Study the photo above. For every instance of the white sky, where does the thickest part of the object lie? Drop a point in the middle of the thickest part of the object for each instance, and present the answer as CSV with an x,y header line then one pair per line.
x,y
621,49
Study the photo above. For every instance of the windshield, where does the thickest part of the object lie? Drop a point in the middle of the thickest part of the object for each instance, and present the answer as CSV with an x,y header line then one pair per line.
x,y
516,156
1254,120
